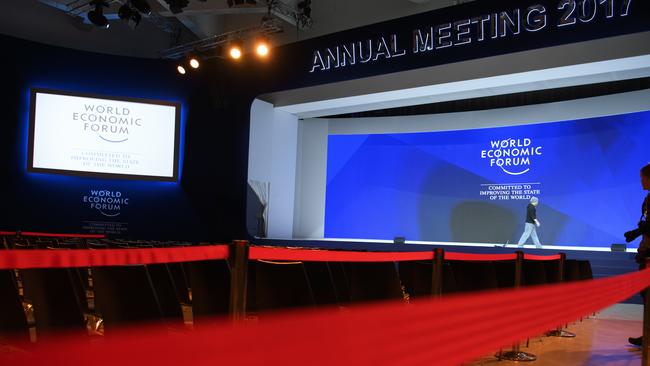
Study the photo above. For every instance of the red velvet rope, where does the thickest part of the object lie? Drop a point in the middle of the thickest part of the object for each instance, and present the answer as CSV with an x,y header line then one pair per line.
x,y
51,258
446,331
20,259
450,256
7,233
533,257
54,235
308,255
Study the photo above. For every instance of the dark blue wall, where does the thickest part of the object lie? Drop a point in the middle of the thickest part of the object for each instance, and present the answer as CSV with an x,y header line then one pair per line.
x,y
206,203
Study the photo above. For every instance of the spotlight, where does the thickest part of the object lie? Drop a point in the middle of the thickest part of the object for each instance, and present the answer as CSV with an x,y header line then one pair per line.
x,y
97,16
262,50
194,61
235,50
130,15
262,46
235,53
142,6
180,69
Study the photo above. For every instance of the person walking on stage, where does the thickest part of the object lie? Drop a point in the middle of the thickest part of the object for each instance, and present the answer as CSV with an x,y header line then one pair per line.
x,y
530,229
643,229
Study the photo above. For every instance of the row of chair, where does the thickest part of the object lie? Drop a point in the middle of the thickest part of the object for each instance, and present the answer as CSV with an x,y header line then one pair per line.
x,y
49,242
275,285
68,298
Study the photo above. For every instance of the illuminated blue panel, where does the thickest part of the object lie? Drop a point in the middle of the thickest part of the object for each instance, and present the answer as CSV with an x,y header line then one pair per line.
x,y
457,186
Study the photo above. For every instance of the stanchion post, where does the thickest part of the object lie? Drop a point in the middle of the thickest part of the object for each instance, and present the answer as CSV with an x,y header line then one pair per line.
x,y
559,332
516,354
436,275
645,361
519,268
238,279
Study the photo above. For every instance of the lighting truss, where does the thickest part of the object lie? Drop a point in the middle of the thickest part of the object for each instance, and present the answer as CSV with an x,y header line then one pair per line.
x,y
267,28
78,9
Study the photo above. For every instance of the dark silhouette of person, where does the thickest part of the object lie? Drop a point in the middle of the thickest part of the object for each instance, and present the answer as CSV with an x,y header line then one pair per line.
x,y
643,230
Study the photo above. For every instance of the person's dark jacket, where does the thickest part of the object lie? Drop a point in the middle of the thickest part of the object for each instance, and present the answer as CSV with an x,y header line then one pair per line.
x,y
531,214
644,225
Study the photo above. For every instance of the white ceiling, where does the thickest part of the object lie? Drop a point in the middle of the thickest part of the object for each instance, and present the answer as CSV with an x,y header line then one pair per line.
x,y
34,20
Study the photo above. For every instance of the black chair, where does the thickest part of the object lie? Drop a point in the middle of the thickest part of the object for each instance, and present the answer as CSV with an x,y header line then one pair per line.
x,y
97,245
571,270
340,281
126,294
166,290
416,277
68,245
43,243
281,285
505,271
322,283
534,273
5,242
210,284
474,276
56,300
373,281
181,281
22,244
552,271
585,270
13,323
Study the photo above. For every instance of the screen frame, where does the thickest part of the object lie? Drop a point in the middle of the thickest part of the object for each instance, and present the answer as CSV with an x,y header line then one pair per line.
x,y
32,124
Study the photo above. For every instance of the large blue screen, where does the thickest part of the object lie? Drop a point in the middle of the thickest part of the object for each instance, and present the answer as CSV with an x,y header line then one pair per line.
x,y
473,186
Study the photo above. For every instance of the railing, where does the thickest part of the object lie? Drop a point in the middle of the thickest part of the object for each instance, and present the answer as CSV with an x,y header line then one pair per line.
x,y
446,330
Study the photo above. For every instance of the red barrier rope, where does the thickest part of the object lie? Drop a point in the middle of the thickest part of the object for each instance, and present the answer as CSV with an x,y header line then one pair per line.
x,y
54,235
48,258
51,258
308,255
533,257
451,256
444,331
7,233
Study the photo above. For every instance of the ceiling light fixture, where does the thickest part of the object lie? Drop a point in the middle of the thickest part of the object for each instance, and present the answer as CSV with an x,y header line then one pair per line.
x,y
142,6
262,47
176,6
235,49
97,16
194,60
127,13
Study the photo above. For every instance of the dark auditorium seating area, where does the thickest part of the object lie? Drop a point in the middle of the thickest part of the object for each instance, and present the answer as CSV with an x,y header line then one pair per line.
x,y
96,300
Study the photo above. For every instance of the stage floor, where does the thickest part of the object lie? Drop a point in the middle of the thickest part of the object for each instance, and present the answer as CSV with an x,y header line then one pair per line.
x,y
600,340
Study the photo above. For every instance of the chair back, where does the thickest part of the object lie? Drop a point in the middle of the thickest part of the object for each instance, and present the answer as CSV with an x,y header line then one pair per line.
x,y
210,284
56,298
281,285
13,323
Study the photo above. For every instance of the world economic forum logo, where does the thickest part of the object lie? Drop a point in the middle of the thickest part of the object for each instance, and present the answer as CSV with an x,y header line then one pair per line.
x,y
513,156
110,123
106,202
